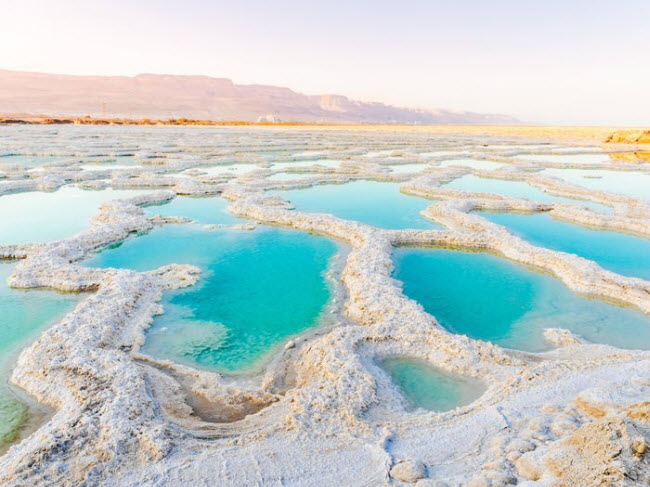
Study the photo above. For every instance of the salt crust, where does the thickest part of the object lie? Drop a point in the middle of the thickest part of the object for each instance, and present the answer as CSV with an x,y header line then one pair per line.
x,y
323,413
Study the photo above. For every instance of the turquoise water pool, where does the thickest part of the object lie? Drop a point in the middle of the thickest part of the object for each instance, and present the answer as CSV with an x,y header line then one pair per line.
x,y
516,189
493,299
617,252
43,217
212,210
377,204
23,313
634,184
257,289
427,387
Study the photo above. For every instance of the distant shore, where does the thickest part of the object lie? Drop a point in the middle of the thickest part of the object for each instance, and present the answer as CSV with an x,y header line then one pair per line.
x,y
624,135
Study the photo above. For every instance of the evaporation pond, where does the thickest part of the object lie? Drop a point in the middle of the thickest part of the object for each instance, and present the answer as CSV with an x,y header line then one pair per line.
x,y
517,189
634,184
493,299
427,387
377,204
257,289
23,313
212,210
42,217
617,252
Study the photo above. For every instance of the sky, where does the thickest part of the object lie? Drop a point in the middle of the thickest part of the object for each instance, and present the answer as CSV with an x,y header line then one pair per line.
x,y
545,61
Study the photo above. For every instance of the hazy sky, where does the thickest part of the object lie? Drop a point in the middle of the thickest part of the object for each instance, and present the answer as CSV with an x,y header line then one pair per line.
x,y
552,61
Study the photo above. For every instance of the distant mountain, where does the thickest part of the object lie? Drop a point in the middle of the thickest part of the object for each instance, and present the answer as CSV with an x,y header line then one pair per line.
x,y
201,97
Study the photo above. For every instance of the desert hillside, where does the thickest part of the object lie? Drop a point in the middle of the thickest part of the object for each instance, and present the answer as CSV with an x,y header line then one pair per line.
x,y
201,97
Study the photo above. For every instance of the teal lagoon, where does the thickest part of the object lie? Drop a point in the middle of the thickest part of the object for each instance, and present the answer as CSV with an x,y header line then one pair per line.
x,y
212,210
617,252
634,184
37,217
517,189
23,314
427,387
377,204
493,299
257,289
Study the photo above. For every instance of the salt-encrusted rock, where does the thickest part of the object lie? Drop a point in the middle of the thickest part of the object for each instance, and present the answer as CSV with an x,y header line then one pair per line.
x,y
408,471
561,337
629,137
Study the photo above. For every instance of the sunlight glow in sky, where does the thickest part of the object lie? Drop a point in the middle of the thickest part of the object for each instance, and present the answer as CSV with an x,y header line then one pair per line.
x,y
552,61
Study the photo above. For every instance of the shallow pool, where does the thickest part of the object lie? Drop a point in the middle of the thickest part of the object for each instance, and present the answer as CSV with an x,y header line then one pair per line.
x,y
257,290
377,204
634,184
493,299
23,314
41,217
617,252
517,189
211,210
427,387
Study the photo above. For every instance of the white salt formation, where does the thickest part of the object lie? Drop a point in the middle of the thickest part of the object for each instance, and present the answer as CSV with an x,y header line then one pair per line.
x,y
321,414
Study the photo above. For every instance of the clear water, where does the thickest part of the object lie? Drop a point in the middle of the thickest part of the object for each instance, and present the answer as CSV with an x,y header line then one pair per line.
x,y
516,189
257,289
427,387
213,210
473,163
621,253
493,299
634,184
42,217
378,204
567,158
23,313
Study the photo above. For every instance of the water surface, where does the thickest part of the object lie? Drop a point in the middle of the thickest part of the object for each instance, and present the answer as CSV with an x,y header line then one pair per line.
x,y
427,387
36,217
257,289
23,314
211,210
617,252
634,184
517,189
377,204
493,299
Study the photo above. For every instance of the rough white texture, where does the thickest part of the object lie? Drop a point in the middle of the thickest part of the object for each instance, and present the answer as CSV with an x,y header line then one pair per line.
x,y
323,413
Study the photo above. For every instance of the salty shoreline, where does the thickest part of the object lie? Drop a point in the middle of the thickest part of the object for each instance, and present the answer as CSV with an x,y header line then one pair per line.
x,y
123,419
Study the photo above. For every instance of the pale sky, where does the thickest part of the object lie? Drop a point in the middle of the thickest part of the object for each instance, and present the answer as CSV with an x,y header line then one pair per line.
x,y
548,61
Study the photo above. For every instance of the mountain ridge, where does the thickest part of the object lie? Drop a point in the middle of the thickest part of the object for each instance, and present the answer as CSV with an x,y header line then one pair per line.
x,y
150,95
